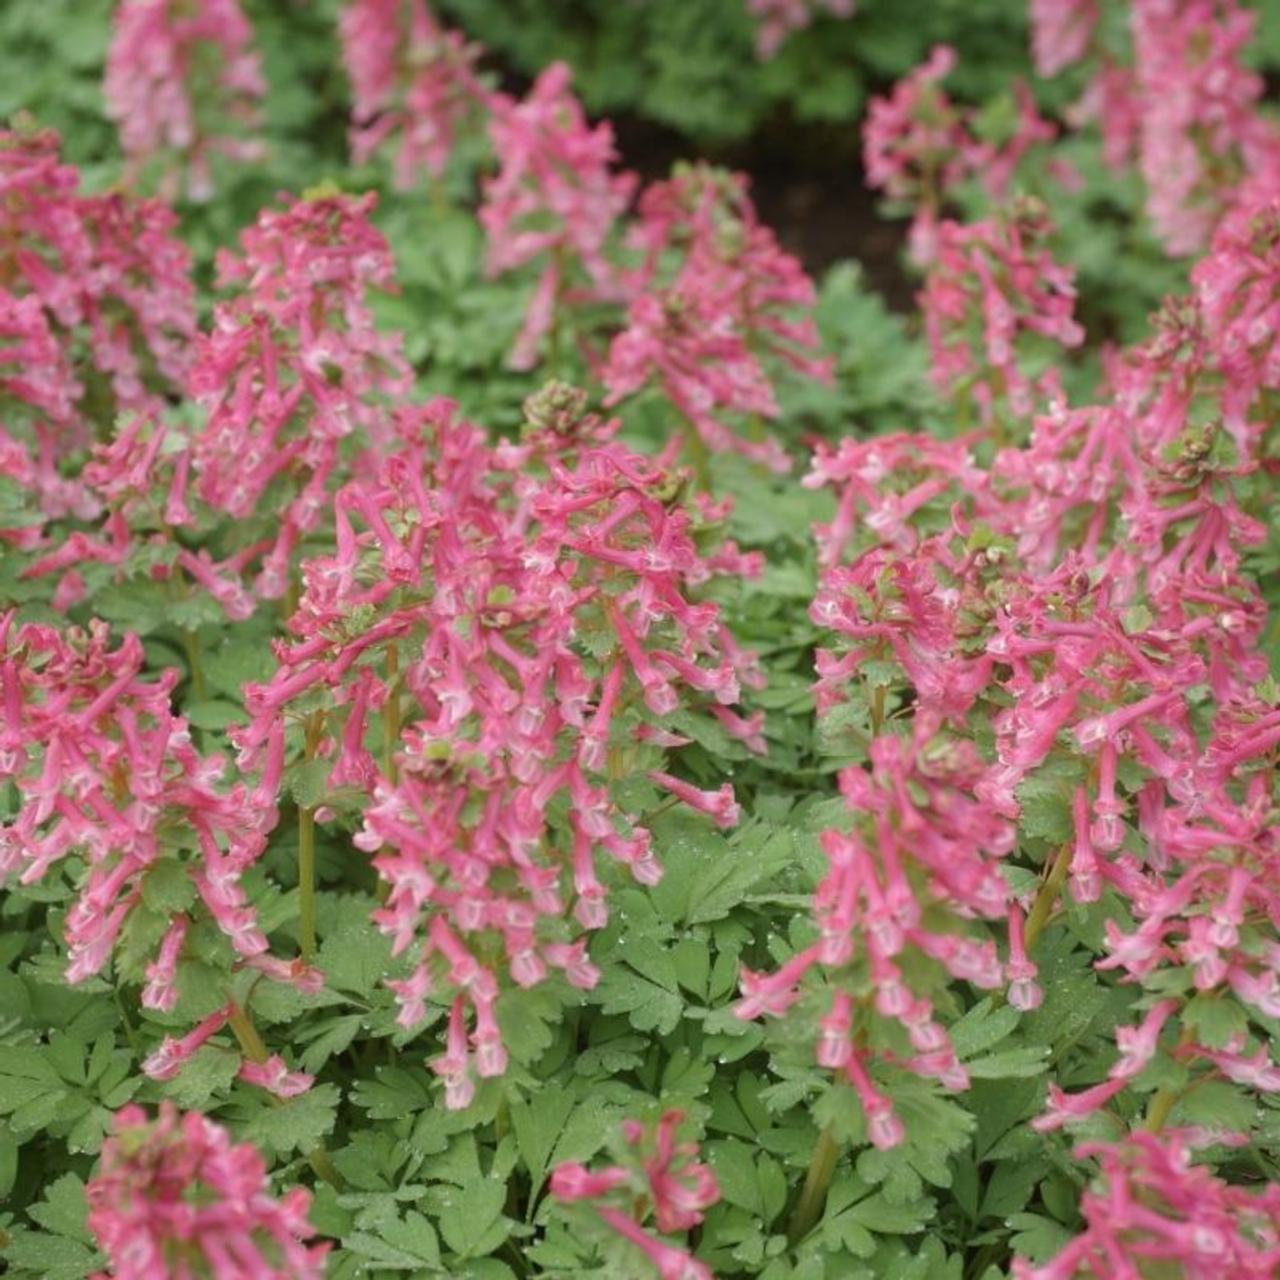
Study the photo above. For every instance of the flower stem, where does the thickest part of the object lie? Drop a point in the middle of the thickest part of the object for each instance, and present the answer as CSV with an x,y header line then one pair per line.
x,y
813,1197
391,716
699,458
1047,897
252,1046
307,852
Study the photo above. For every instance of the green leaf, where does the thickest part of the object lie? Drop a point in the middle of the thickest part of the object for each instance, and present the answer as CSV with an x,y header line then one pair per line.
x,y
399,1244
539,1124
470,1218
296,1124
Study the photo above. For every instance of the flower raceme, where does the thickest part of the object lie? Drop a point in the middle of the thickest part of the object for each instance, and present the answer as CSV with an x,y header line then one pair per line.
x,y
177,75
174,1196
992,283
414,84
97,312
493,632
1152,1209
706,330
777,19
554,201
660,1175
104,770
294,375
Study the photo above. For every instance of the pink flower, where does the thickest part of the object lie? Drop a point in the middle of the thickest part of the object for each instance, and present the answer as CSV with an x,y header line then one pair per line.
x,y
554,200
455,607
176,77
989,283
413,83
1152,1210
103,767
1060,32
663,1174
777,19
177,1184
97,290
720,805
293,367
274,1076
1065,1108
700,331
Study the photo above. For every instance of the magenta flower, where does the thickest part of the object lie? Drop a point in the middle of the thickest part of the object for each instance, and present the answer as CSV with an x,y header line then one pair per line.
x,y
413,83
184,84
294,373
1152,1208
174,1195
661,1176
777,19
708,332
554,201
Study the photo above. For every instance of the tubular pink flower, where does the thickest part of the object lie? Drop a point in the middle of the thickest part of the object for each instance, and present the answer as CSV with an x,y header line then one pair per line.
x,y
664,1174
413,83
176,77
177,1185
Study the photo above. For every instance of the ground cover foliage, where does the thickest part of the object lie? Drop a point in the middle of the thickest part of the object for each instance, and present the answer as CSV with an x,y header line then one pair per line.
x,y
539,740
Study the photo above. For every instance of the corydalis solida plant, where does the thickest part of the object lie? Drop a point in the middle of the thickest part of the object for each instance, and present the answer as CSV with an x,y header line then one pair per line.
x,y
707,329
658,1175
517,618
96,295
414,85
294,375
184,84
174,1195
107,772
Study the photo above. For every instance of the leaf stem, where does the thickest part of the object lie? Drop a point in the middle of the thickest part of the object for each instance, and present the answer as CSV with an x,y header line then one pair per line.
x,y
813,1196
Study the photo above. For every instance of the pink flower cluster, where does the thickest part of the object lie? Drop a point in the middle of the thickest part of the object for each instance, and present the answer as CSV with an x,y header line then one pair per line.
x,y
512,609
177,75
104,769
413,82
1153,1209
777,19
174,1196
989,284
554,201
294,375
1181,97
662,1176
699,330
95,288
918,146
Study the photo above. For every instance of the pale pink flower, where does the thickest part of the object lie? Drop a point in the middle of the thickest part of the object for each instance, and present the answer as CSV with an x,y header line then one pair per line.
x,y
184,84
177,1185
413,83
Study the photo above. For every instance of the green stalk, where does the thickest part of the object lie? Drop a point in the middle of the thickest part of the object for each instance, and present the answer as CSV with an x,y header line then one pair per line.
x,y
813,1197
1047,897
391,716
699,458
307,853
